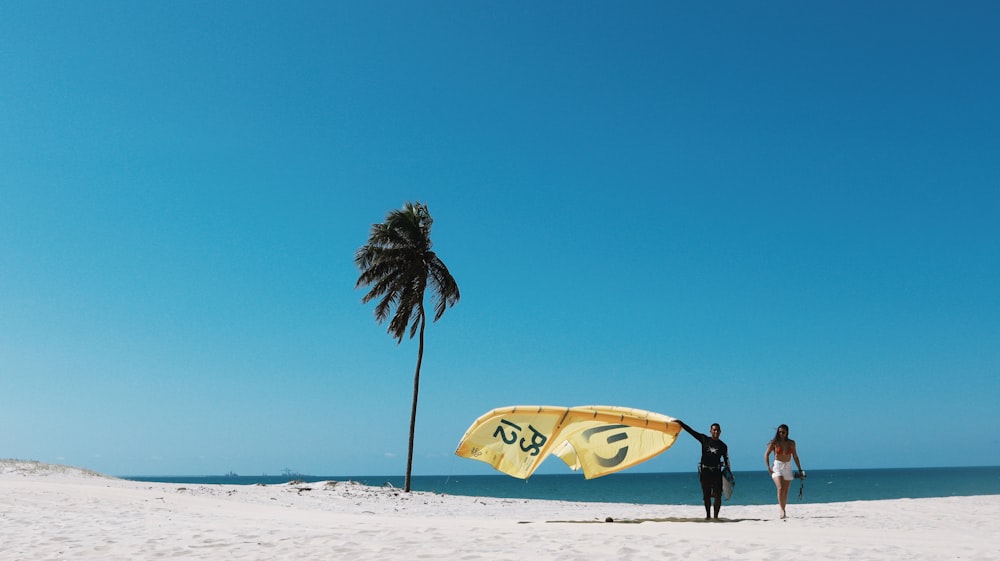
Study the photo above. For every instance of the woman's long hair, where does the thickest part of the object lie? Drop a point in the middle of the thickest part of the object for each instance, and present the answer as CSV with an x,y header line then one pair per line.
x,y
777,434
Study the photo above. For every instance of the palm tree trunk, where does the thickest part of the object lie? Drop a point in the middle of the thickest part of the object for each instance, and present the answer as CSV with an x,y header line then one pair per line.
x,y
413,411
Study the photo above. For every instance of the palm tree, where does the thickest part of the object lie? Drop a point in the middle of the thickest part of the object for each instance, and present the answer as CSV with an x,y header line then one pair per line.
x,y
398,264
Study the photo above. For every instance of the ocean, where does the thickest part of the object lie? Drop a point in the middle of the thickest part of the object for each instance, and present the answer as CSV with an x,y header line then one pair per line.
x,y
752,487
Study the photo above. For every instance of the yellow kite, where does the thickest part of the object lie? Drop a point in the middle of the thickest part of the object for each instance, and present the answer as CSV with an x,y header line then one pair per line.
x,y
600,439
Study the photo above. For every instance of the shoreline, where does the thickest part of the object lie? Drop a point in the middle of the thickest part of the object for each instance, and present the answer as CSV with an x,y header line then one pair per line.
x,y
59,512
28,468
755,487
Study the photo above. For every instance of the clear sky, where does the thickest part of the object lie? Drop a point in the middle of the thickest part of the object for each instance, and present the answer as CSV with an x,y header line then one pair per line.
x,y
745,212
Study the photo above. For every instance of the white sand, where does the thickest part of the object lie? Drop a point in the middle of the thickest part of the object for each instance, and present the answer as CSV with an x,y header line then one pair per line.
x,y
53,512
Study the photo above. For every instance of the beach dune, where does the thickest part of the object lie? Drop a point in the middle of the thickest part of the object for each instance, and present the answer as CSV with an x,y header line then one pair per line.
x,y
56,512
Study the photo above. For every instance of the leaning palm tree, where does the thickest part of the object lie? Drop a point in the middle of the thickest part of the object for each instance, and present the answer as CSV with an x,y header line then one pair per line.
x,y
398,264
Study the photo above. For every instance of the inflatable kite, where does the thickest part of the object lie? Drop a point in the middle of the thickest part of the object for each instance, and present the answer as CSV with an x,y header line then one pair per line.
x,y
599,439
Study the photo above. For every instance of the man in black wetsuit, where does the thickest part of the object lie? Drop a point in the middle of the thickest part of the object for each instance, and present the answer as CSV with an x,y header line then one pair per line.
x,y
714,457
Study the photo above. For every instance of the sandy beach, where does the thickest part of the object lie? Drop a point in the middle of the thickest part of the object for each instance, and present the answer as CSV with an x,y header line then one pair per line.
x,y
57,512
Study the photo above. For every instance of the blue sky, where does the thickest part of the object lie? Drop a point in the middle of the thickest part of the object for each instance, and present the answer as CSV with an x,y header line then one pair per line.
x,y
745,212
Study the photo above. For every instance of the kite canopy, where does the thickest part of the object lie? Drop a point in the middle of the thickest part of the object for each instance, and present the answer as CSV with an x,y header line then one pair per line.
x,y
599,439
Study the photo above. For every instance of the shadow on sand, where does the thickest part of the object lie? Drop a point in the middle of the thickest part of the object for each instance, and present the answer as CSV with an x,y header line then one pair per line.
x,y
609,520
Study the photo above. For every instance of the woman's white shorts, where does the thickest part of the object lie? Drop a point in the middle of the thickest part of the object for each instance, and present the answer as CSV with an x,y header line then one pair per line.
x,y
782,470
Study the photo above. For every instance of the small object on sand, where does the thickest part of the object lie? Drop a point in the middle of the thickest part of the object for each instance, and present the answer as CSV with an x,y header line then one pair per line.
x,y
609,519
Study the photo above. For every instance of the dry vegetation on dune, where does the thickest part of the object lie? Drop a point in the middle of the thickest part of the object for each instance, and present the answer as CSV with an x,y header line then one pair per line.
x,y
33,467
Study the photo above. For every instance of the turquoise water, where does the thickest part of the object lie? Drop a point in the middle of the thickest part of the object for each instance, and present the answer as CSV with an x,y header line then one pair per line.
x,y
752,487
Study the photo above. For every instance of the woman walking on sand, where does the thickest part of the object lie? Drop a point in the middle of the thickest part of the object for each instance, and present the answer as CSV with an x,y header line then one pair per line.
x,y
781,471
